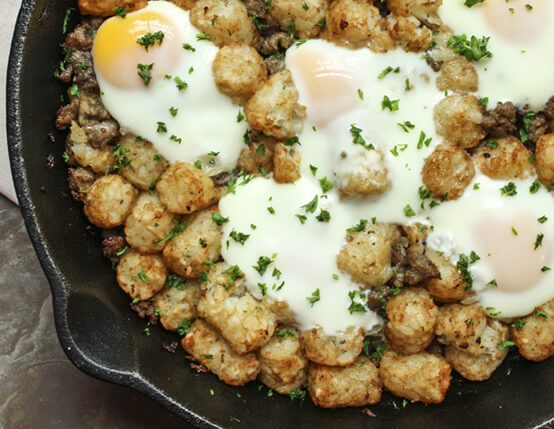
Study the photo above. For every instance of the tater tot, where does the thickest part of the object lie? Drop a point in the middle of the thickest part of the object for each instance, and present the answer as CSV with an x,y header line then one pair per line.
x,y
450,286
98,160
421,377
286,163
258,156
357,23
366,256
447,172
282,361
184,189
238,70
545,160
462,326
274,107
409,33
353,386
412,316
107,7
148,224
109,201
534,334
204,344
424,10
337,350
305,16
144,166
503,159
480,367
458,74
458,119
177,301
141,276
224,21
198,244
246,324
367,175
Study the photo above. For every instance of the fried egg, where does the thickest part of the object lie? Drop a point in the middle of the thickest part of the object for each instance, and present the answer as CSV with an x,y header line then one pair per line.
x,y
180,108
342,88
521,35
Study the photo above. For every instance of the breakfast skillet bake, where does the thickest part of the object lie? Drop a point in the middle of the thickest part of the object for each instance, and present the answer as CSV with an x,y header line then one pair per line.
x,y
332,197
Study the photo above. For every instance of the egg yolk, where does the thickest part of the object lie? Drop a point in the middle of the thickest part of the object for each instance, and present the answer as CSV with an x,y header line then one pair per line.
x,y
515,21
117,53
508,247
329,84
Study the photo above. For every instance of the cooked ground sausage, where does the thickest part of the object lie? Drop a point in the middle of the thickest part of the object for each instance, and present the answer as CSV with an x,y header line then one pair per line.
x,y
501,121
80,181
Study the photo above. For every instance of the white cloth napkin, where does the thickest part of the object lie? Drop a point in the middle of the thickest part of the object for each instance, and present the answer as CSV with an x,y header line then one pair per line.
x,y
10,8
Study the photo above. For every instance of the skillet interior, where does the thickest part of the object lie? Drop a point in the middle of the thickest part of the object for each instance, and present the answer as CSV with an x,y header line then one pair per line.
x,y
102,337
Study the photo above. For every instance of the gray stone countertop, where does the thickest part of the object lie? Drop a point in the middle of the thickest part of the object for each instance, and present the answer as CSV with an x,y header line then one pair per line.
x,y
39,386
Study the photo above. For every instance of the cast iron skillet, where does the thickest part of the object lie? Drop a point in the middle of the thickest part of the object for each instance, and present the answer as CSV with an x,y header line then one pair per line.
x,y
102,337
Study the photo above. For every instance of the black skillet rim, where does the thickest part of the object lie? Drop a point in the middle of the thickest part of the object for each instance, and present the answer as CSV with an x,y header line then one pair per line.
x,y
58,288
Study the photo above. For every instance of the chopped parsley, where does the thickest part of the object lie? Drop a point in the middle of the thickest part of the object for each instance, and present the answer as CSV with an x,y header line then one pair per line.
x,y
219,220
313,169
473,49
534,188
538,313
326,185
74,91
360,94
297,393
188,47
387,103
263,288
387,70
286,333
314,298
471,3
260,150
145,72
491,144
356,306
184,327
483,101
177,228
121,11
162,127
262,264
240,117
542,219
538,241
291,140
423,140
358,139
524,132
357,228
122,252
301,218
505,344
239,237
271,210
175,282
202,36
150,39
173,111
323,216
66,18
311,206
406,126
519,324
408,211
509,190
142,275
181,84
